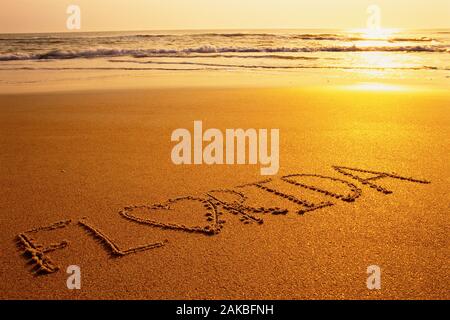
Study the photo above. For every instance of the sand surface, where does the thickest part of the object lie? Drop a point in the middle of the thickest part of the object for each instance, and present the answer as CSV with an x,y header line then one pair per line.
x,y
90,154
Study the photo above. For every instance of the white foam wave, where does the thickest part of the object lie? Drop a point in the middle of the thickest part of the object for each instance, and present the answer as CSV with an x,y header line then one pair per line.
x,y
208,49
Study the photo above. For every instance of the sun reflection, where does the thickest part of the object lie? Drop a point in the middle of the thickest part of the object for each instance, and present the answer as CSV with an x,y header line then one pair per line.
x,y
378,34
379,60
375,86
376,61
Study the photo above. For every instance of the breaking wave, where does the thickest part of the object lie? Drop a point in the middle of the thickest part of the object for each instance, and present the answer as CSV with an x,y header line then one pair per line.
x,y
140,53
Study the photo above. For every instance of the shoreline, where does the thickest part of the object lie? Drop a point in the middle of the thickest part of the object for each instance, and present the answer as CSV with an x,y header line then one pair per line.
x,y
111,81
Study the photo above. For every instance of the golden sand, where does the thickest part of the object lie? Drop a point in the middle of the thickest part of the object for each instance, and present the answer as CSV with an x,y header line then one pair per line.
x,y
86,179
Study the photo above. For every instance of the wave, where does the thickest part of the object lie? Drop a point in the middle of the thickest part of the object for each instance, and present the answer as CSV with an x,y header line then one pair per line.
x,y
243,35
234,56
141,53
274,67
217,66
302,36
104,69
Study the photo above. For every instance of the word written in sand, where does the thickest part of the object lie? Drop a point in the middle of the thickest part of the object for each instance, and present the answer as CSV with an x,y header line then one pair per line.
x,y
231,148
217,208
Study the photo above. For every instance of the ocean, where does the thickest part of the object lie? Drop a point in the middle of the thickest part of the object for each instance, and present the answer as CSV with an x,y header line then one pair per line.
x,y
281,51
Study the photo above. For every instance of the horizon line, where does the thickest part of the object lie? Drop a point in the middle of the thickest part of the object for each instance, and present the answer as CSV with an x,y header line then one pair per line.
x,y
213,29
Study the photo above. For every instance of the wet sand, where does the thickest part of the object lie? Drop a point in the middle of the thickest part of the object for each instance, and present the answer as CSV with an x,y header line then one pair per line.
x,y
102,158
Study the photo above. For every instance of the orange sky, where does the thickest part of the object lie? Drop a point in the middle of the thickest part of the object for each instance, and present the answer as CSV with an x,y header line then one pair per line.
x,y
98,15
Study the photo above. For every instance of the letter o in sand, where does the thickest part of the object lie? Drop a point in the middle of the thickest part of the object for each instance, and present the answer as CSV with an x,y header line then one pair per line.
x,y
355,192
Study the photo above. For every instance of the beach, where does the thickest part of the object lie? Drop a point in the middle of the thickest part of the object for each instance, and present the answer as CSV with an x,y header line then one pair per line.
x,y
86,154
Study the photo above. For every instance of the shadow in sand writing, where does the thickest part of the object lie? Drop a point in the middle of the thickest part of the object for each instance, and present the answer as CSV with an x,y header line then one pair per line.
x,y
110,244
215,204
35,252
212,226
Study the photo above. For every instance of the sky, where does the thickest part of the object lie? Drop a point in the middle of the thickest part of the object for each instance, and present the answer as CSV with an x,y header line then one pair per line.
x,y
118,15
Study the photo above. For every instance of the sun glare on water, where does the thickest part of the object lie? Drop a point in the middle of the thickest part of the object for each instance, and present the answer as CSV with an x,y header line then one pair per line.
x,y
375,86
375,63
378,34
